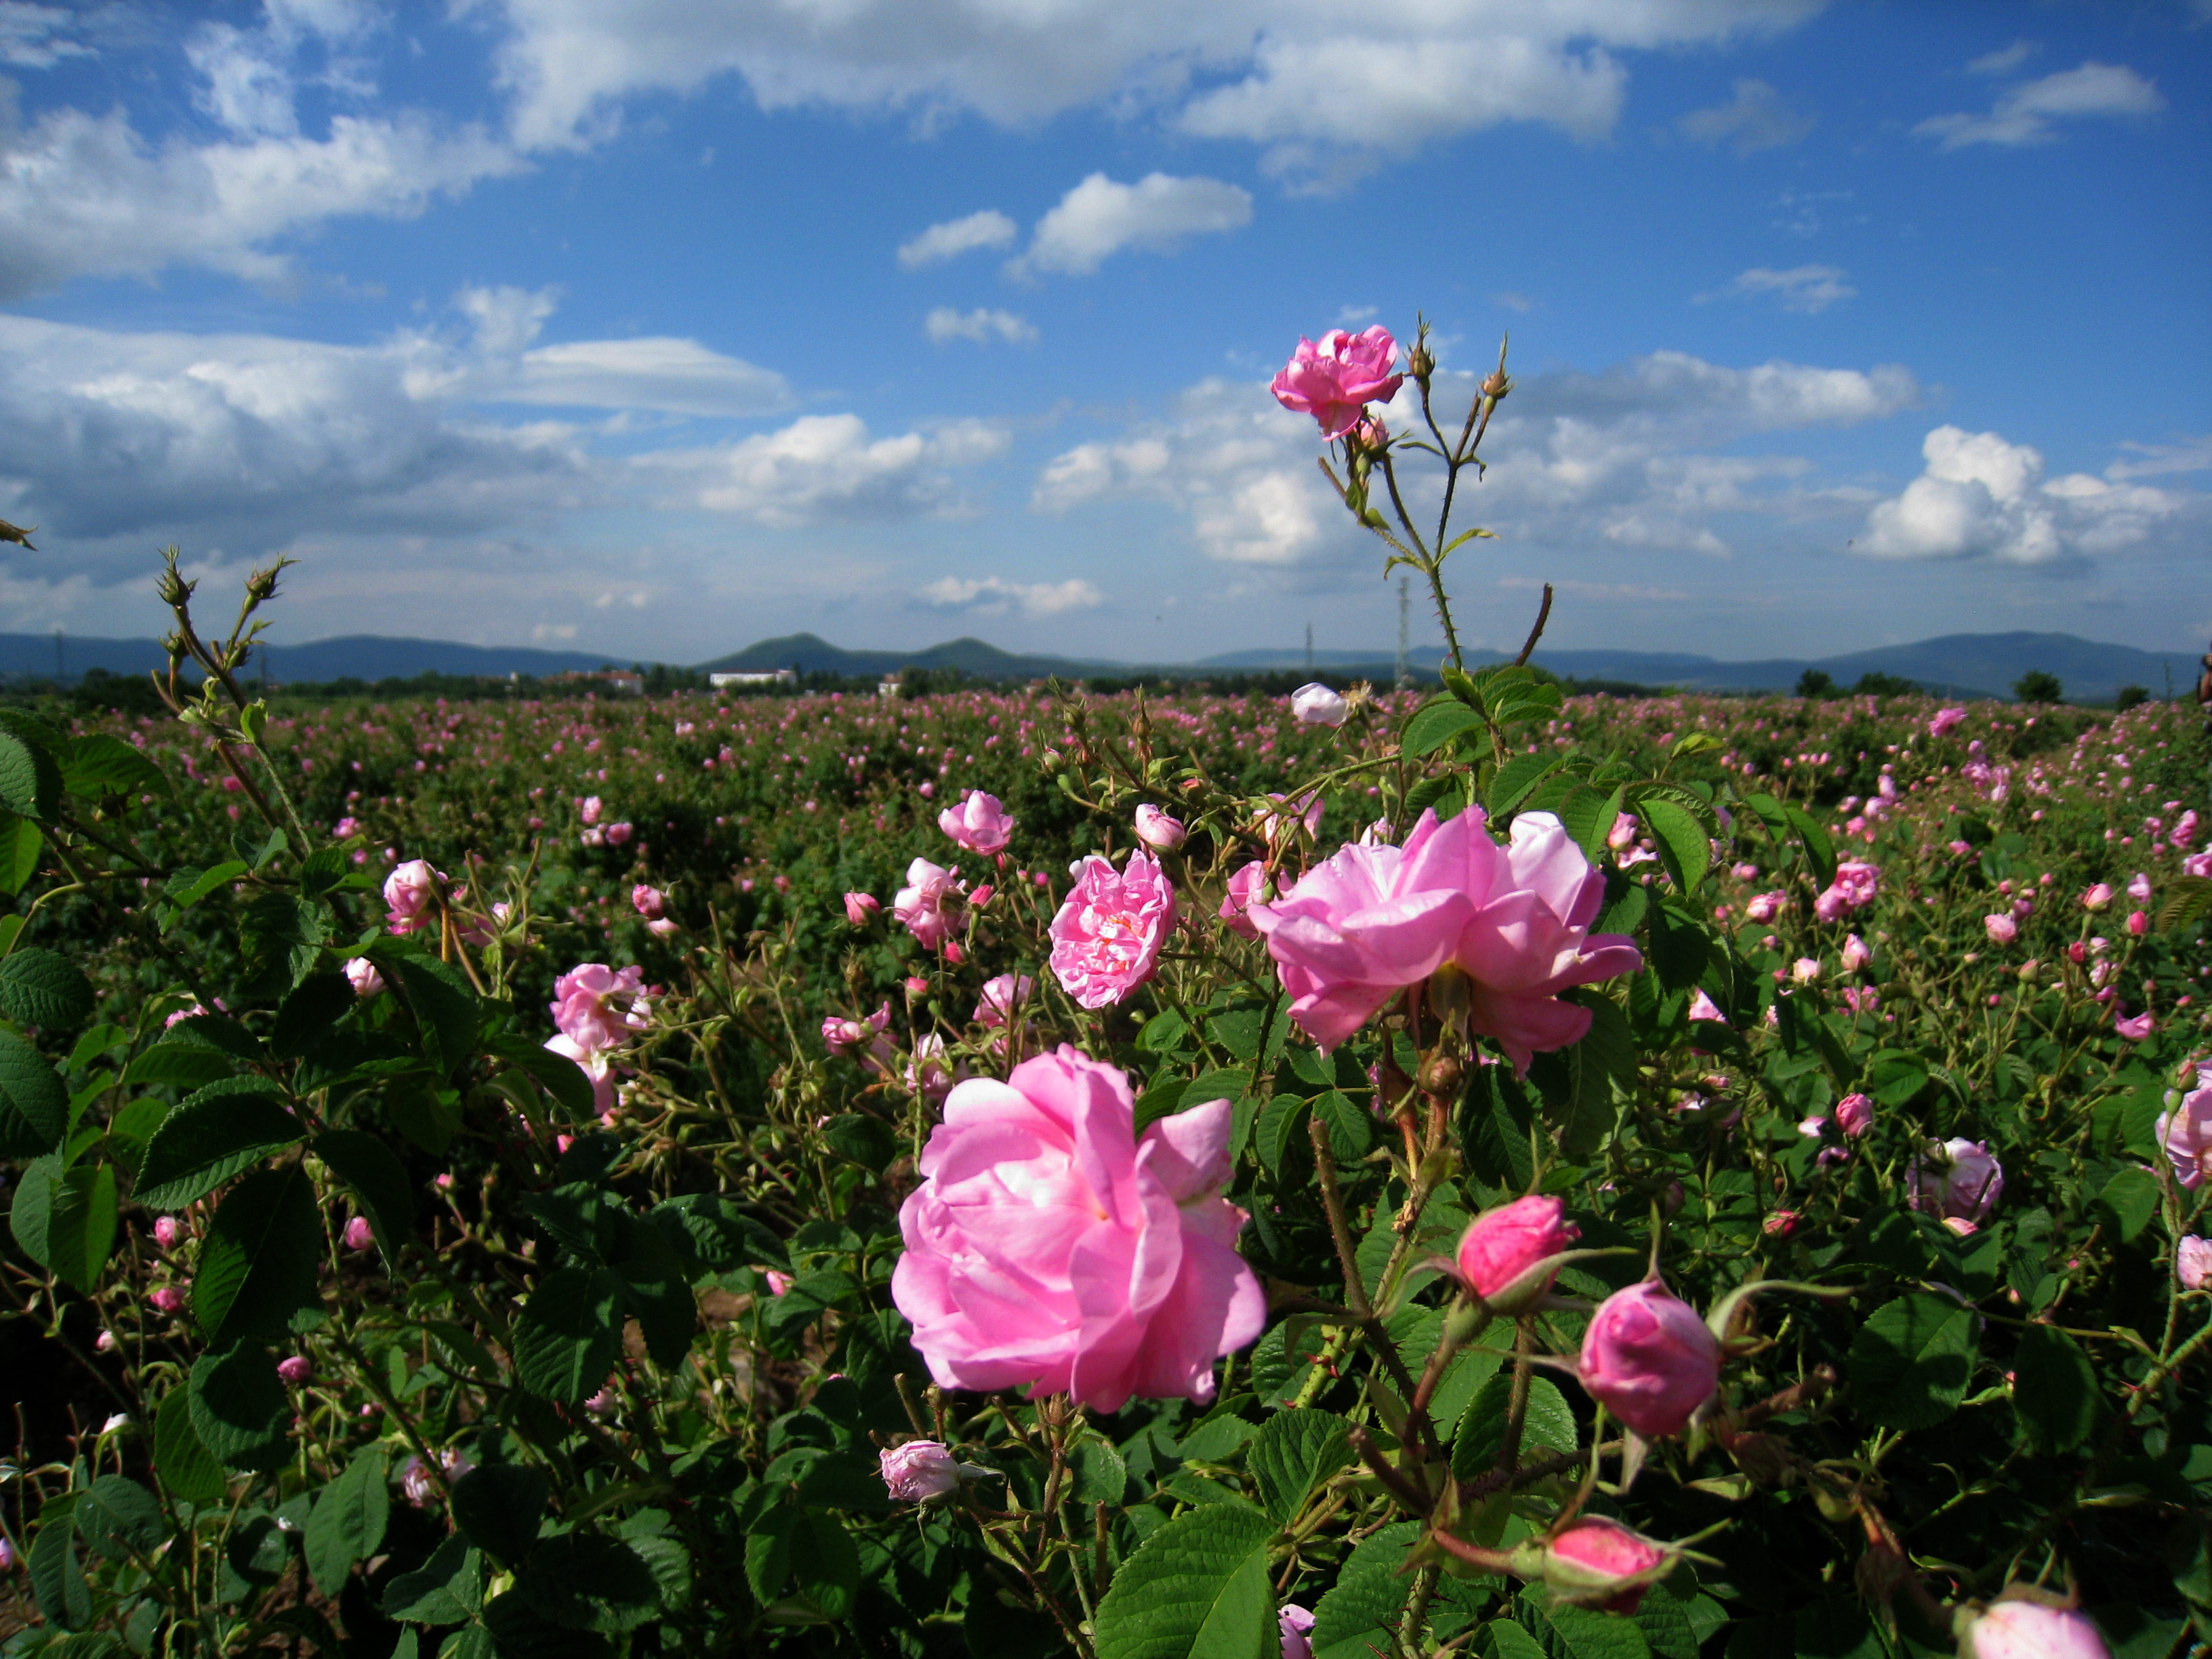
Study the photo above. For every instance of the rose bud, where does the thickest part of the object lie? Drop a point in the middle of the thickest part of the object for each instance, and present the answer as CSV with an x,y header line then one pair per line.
x,y
294,1369
1503,1248
859,906
1596,1563
2028,1630
919,1471
359,1235
2099,897
1158,830
1650,1360
1854,1115
1314,704
167,1229
168,1299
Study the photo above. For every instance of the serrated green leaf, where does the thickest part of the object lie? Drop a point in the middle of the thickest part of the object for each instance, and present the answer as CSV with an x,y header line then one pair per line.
x,y
33,1104
118,1518
445,1008
1296,1451
2188,902
348,1522
30,783
239,1411
1362,1610
57,1580
499,1507
218,1132
1436,724
187,1467
1197,1589
1516,780
2054,1390
567,1083
1281,1119
22,845
1681,841
1549,1425
262,1259
1911,1360
98,764
446,1590
569,1334
377,1179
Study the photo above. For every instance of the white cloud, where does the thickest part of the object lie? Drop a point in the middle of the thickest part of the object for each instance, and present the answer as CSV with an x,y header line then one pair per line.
x,y
1634,592
2025,114
2003,61
982,325
1099,218
32,36
1802,288
1757,118
988,229
990,596
828,467
2190,455
1980,496
676,376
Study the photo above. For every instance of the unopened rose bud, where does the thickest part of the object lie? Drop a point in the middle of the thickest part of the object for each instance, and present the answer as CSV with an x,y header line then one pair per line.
x,y
1649,1359
167,1299
1422,362
1501,1255
1441,1075
1495,385
294,1369
2026,1629
358,1234
167,1229
860,907
1158,830
1597,1563
919,1471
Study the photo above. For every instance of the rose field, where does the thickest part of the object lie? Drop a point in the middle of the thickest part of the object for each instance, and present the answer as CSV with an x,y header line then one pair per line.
x,y
1464,1169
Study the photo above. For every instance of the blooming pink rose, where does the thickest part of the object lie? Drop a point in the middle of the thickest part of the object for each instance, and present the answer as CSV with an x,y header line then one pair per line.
x,y
1107,936
2139,887
1855,1114
927,1071
2192,1263
861,909
1314,704
360,973
1957,1182
919,1471
933,904
2186,1132
589,809
2001,928
2138,1029
1501,1245
1596,1562
618,834
2099,897
1854,888
1243,887
2028,1630
358,1234
1650,1360
1002,996
1944,720
294,1369
1158,830
979,823
1703,1007
843,1037
1051,1248
648,901
411,894
2197,863
1333,381
1294,1625
1764,907
1282,822
590,1002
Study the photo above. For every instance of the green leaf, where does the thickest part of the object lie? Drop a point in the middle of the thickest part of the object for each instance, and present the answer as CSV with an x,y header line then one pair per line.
x,y
81,1224
569,1334
22,845
1894,1077
576,1579
1350,1129
324,871
438,994
1911,1360
1296,1451
377,1179
2188,902
261,1260
1571,1632
557,1074
33,1105
30,783
118,1518
226,1127
2054,1390
38,988
768,1552
499,1507
187,1467
179,1065
2131,1199
1819,852
239,1411
1682,844
64,1594
446,1590
1516,780
348,1520
98,764
1362,1611
1436,723
1197,1589
825,1567
188,886
308,1012
1549,1425
281,939
718,1234
859,1138
1281,1119
219,1032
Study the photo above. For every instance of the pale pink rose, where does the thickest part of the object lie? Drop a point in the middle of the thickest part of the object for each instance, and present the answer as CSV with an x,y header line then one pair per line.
x,y
933,905
416,1484
648,901
411,894
1744,871
843,1037
590,1001
1703,1007
1314,704
861,909
663,928
1855,1114
1944,720
1370,434
2099,897
1805,969
1282,823
167,1229
1856,955
589,809
1501,1249
1158,830
1957,1181
2028,1630
596,1065
1294,1626
2197,863
167,1299
1002,997
618,834
2139,888
1245,887
358,1234
2001,928
1051,1248
1861,999
1854,888
2186,1132
1335,379
2138,923
979,823
1764,907
928,1073
779,1284
919,1471
2138,1029
2192,1263
1597,1562
360,973
1623,833
293,1370
1107,936
1650,1360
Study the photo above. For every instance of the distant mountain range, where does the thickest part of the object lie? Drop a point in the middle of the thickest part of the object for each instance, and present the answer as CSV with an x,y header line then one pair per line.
x,y
1963,665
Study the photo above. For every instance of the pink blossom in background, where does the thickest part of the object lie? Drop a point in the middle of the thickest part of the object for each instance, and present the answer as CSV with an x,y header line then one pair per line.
x,y
1764,907
928,1073
596,1065
1334,379
1957,1181
2192,1263
1854,1115
648,901
1245,887
293,1370
1805,969
1856,955
778,1283
167,1299
1648,1358
2139,888
167,1229
358,1234
1051,1248
1314,704
618,834
1288,817
1623,833
2001,928
2137,1029
979,823
1861,999
1107,936
360,973
1294,1626
411,896
861,909
1501,1246
1856,884
933,904
918,1471
1001,997
590,1002
1703,1007
345,829
589,809
1944,720
1596,1562
843,1037
2028,1630
2186,1131
1158,830
2197,863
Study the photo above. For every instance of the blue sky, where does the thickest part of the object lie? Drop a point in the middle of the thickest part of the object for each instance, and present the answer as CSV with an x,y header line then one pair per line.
x,y
657,326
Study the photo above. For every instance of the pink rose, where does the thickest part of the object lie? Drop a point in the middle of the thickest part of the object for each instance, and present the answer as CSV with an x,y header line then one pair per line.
x,y
167,1299
1764,907
1107,937
1649,1359
648,901
2197,863
2028,1630
861,909
596,1067
1855,954
618,834
1957,1182
1002,997
1500,1253
2138,1029
919,1471
2138,923
1158,830
979,823
933,904
1853,889
2001,928
1596,1562
590,1002
1944,720
779,1284
1294,1625
1854,1115
411,894
2139,887
294,1369
589,809
1314,704
1051,1248
1245,887
358,1234
167,1229
1333,381
2099,897
1283,821
1703,1007
2192,1263
2186,1132
843,1037
927,1071
360,973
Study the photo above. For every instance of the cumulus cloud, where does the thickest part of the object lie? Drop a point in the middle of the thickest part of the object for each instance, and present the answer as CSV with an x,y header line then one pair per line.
x,y
1802,288
828,467
2027,114
1980,496
1757,118
992,596
982,325
1100,217
948,241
